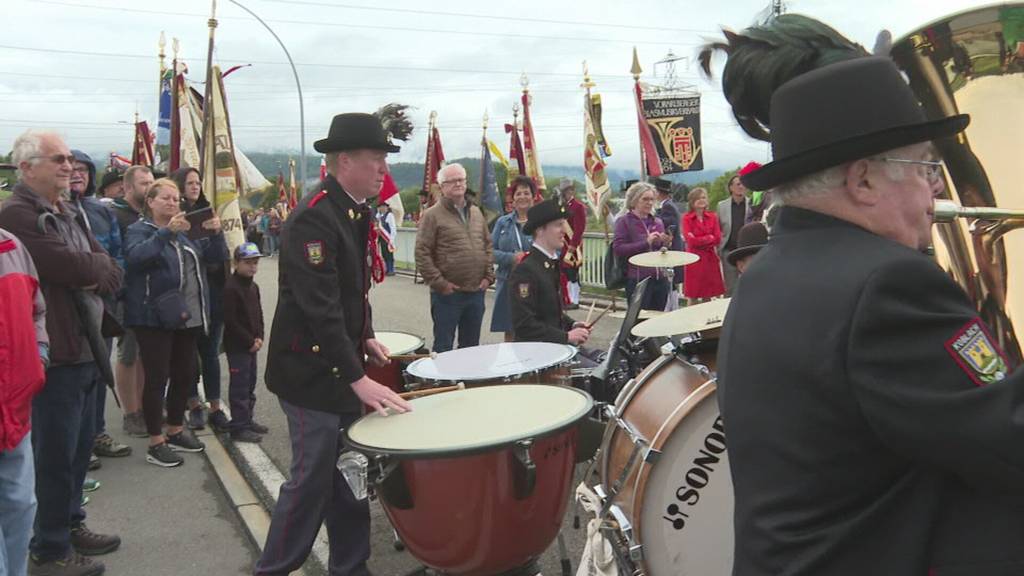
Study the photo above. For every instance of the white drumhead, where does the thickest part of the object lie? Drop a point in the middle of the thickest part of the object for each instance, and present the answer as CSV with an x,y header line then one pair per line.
x,y
695,465
491,361
400,342
473,418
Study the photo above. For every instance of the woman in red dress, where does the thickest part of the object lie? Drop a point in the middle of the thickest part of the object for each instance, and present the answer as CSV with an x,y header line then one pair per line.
x,y
702,234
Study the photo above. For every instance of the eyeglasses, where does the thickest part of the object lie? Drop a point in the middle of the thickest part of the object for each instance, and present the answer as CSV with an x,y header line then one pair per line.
x,y
459,182
932,168
81,170
58,158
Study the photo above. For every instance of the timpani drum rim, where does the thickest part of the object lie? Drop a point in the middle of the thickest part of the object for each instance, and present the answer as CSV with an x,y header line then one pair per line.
x,y
381,336
449,366
535,398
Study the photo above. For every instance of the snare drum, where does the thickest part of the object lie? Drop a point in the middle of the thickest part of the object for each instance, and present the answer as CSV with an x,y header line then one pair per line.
x,y
664,472
399,344
505,363
476,481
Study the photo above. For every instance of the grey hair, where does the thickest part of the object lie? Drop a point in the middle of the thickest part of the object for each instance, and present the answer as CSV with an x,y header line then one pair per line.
x,y
440,173
28,146
831,178
634,192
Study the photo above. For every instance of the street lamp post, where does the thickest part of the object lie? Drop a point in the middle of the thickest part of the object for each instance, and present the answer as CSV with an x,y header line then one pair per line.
x,y
298,85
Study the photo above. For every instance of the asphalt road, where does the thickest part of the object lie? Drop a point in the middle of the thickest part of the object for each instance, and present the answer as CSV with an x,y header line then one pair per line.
x,y
398,305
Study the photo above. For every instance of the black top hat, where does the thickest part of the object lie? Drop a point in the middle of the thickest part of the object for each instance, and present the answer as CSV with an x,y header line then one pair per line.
x,y
542,213
662,185
749,241
355,131
840,113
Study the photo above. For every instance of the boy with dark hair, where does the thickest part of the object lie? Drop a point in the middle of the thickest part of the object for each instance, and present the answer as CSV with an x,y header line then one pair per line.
x,y
243,338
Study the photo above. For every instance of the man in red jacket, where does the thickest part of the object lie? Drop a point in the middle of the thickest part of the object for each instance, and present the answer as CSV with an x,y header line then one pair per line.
x,y
25,349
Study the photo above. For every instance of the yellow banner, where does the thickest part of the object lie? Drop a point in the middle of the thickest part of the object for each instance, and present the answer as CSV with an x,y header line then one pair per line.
x,y
220,170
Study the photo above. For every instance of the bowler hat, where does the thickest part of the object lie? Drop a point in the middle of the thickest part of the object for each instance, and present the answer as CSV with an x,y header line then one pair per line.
x,y
355,131
662,185
750,239
840,113
110,177
542,213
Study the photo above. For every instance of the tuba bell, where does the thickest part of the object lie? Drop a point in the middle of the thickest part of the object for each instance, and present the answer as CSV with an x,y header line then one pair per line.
x,y
973,62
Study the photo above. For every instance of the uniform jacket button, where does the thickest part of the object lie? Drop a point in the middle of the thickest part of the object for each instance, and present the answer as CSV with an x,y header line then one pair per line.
x,y
316,348
335,370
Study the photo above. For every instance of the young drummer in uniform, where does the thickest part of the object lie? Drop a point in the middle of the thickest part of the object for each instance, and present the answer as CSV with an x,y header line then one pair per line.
x,y
536,298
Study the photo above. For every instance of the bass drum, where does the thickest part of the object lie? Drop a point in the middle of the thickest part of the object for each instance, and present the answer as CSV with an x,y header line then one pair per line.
x,y
664,470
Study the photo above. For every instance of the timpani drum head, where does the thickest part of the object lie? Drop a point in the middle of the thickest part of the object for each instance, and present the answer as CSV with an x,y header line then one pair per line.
x,y
491,361
471,420
400,343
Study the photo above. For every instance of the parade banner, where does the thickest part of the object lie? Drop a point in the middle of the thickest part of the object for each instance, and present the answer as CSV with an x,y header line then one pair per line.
x,y
221,183
433,163
163,126
674,125
489,198
142,149
186,123
533,168
515,152
593,163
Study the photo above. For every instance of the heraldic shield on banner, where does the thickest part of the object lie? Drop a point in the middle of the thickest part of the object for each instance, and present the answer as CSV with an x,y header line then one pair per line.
x,y
675,125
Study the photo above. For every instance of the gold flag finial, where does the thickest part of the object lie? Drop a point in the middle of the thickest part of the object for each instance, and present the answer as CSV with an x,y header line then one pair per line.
x,y
486,118
587,82
174,47
636,70
524,81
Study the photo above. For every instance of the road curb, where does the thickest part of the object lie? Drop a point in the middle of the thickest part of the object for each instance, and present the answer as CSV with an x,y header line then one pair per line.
x,y
243,498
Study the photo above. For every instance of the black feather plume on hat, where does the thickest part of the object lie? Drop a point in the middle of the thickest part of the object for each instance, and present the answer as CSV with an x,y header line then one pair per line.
x,y
766,56
392,117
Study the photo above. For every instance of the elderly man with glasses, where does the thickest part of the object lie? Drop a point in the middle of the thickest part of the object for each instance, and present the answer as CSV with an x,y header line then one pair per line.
x,y
74,273
454,255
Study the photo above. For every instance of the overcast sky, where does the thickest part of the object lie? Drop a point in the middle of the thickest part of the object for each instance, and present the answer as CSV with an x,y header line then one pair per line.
x,y
84,67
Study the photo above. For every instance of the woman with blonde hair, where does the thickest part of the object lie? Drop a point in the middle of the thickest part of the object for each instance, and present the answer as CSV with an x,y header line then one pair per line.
x,y
167,304
638,231
702,234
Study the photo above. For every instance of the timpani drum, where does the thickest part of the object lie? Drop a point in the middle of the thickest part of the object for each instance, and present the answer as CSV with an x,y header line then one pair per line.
x,y
476,481
399,344
664,473
505,363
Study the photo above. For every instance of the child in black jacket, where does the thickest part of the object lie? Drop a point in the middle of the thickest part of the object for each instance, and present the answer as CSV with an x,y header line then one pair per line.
x,y
243,338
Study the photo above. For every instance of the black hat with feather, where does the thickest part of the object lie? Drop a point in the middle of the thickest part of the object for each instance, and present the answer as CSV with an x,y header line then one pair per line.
x,y
820,99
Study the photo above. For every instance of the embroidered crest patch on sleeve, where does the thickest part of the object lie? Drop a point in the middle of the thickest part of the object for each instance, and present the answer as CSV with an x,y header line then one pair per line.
x,y
315,252
972,348
524,290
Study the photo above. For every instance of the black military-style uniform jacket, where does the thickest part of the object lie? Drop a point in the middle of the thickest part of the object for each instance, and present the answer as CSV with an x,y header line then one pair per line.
x,y
872,422
535,298
323,311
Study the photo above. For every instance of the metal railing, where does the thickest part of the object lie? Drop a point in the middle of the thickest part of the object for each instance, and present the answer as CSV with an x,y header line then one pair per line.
x,y
594,248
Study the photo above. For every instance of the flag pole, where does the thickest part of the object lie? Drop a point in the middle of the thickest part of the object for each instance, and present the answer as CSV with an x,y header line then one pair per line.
x,y
636,70
205,146
174,158
483,147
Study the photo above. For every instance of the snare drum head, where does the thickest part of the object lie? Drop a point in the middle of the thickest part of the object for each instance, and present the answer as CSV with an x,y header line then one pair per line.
x,y
685,523
400,343
491,361
471,420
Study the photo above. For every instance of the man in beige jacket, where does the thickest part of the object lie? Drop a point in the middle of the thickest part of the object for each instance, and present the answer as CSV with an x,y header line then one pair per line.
x,y
453,253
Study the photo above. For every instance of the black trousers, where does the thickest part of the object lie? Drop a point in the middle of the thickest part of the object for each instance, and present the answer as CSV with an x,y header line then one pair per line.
x,y
166,354
316,493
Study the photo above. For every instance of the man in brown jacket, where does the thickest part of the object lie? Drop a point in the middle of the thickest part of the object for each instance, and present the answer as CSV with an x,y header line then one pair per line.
x,y
74,272
453,253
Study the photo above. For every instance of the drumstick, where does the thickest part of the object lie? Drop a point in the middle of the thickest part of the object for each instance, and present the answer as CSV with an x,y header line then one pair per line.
x,y
590,326
591,311
431,391
411,357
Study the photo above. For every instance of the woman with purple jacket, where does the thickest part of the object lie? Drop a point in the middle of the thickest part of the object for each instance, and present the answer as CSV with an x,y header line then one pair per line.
x,y
639,231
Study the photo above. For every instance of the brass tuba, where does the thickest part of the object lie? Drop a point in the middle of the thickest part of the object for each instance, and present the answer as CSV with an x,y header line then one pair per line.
x,y
973,62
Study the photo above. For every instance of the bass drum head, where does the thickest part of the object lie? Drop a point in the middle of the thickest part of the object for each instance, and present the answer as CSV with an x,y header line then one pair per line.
x,y
686,506
471,420
399,343
491,361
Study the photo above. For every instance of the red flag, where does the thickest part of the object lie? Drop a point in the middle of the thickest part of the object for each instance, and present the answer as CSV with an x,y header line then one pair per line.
x,y
433,163
323,169
293,198
387,190
533,168
142,150
282,196
646,140
515,149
